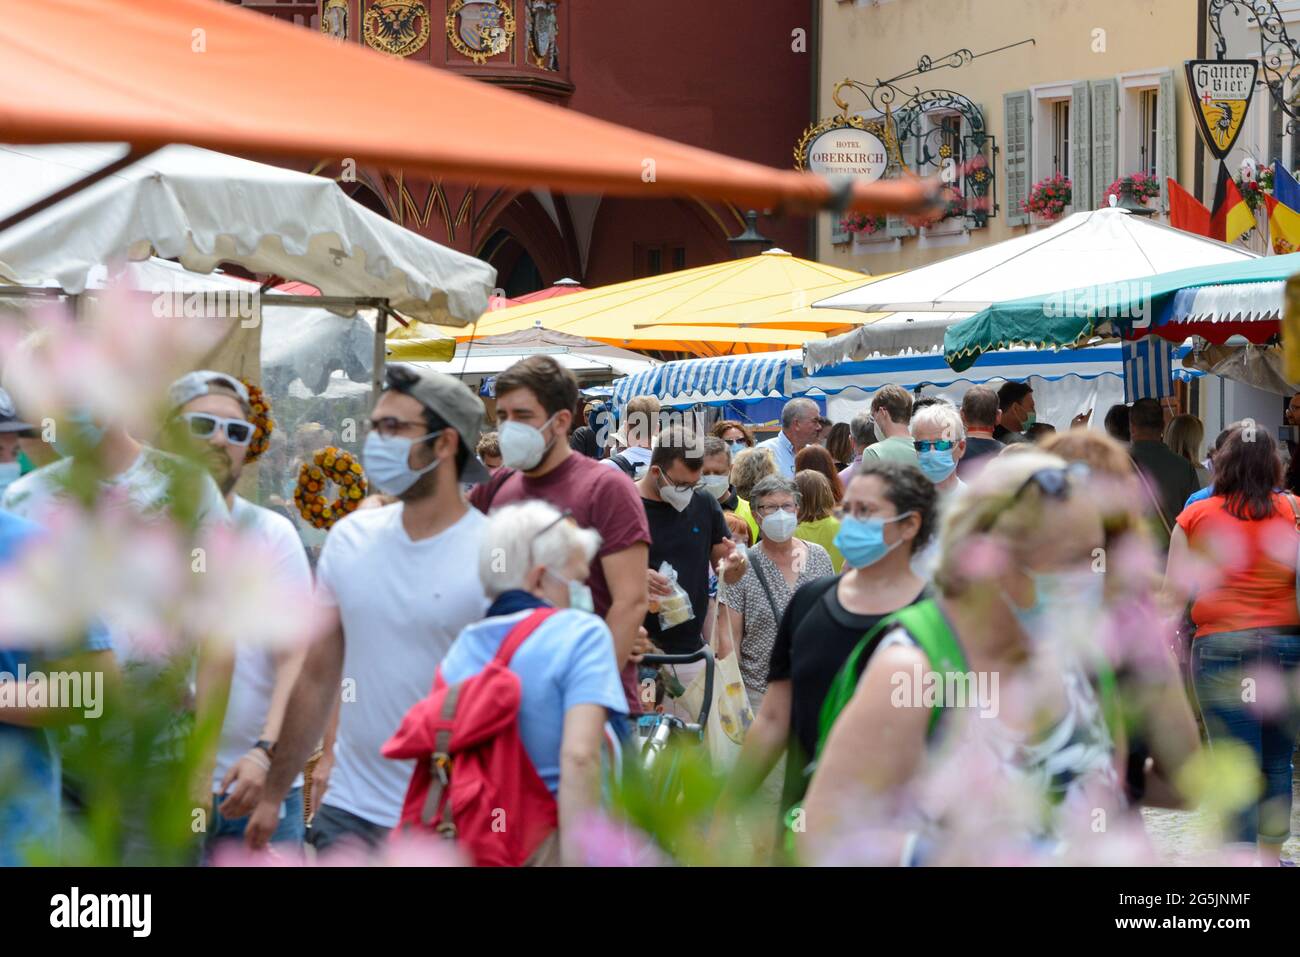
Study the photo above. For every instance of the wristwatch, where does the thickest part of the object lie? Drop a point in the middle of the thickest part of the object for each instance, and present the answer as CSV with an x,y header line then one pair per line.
x,y
267,746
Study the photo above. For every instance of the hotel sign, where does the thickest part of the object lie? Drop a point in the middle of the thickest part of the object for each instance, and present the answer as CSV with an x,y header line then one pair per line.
x,y
847,146
1221,91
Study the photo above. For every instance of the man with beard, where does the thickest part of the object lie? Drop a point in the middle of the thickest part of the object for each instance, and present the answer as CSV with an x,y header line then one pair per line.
x,y
215,410
397,585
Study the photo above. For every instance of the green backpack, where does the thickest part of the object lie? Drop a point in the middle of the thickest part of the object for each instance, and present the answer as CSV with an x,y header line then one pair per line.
x,y
925,625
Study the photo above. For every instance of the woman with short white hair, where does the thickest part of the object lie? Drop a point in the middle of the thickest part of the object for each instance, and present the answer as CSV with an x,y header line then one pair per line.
x,y
535,558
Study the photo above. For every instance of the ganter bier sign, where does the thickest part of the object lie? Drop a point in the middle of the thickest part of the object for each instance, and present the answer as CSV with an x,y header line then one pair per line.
x,y
843,147
1221,92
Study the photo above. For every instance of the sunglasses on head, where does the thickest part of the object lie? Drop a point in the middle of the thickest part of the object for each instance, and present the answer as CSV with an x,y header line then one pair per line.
x,y
204,426
1054,483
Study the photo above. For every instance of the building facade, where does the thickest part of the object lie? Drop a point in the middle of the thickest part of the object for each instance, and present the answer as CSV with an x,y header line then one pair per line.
x,y
1098,94
713,75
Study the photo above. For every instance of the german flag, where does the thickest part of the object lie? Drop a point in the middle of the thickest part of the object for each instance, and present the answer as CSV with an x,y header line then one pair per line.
x,y
1231,217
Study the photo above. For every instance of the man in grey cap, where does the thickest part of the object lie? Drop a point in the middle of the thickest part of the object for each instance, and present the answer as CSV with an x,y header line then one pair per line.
x,y
398,583
214,409
11,428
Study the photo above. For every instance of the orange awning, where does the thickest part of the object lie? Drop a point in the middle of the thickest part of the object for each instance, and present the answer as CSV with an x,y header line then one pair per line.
x,y
133,70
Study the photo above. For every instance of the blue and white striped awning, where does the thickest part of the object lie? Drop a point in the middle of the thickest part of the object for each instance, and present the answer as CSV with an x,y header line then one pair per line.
x,y
911,372
718,379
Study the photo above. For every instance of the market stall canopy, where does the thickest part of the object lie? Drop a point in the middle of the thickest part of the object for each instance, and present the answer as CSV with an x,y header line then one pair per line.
x,y
205,208
1088,247
133,70
495,354
721,379
708,310
1131,309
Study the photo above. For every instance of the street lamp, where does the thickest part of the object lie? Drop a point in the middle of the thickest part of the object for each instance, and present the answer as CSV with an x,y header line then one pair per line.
x,y
1129,202
751,242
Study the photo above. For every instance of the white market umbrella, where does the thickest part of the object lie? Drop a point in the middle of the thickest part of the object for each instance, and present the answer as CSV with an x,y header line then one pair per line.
x,y
204,208
1097,246
492,355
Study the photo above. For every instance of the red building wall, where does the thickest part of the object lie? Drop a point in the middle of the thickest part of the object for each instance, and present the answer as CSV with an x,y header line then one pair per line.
x,y
723,74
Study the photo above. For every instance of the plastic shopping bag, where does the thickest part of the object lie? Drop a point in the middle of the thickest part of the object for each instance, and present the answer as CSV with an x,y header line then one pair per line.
x,y
730,714
674,608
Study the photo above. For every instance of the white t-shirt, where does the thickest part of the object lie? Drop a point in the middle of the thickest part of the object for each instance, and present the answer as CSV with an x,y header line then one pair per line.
x,y
402,603
254,675
637,455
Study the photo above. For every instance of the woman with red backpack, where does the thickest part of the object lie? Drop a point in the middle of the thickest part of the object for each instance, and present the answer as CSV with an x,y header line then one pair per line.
x,y
508,744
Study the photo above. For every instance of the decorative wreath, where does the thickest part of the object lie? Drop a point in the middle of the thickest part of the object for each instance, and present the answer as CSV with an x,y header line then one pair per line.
x,y
261,419
330,465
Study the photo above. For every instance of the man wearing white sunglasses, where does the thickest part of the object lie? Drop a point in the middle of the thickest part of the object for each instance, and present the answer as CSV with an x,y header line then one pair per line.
x,y
216,409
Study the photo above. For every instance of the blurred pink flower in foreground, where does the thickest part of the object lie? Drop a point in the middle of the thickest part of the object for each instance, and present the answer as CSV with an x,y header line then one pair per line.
x,y
116,361
604,842
403,849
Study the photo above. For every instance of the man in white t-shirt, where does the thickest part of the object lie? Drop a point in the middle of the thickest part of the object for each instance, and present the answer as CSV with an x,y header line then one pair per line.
x,y
399,583
641,428
215,409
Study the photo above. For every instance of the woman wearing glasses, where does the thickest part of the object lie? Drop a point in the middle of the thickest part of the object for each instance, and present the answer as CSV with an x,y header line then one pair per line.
x,y
1020,758
888,510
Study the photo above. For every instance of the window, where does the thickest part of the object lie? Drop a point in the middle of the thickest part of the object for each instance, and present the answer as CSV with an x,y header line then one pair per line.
x,y
1148,130
679,258
654,261
1061,137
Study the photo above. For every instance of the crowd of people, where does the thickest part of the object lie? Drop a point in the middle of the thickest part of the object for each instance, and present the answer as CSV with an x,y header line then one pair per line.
x,y
1089,602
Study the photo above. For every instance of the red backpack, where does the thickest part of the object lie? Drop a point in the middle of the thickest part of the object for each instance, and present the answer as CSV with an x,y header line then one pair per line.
x,y
474,782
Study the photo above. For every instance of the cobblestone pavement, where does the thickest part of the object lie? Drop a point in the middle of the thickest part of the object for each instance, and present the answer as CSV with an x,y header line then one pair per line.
x,y
1181,836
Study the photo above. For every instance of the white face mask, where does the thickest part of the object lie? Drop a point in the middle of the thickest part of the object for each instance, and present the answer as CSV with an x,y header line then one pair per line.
x,y
8,474
522,446
780,526
678,498
716,485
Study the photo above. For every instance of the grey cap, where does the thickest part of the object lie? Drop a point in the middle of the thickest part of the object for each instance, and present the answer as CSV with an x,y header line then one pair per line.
x,y
9,421
457,405
194,384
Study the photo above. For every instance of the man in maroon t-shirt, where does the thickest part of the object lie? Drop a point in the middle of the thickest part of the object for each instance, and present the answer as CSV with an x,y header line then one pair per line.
x,y
536,398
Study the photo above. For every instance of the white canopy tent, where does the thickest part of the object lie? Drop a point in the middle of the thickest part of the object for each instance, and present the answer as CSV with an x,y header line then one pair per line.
x,y
204,208
588,360
1104,245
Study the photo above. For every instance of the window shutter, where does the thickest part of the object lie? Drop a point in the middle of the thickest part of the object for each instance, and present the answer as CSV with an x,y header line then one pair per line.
x,y
1080,146
1018,153
1105,126
1167,135
838,233
898,226
1275,123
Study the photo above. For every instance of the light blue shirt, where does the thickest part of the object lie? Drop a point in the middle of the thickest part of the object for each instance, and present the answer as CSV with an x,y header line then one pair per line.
x,y
567,661
783,449
1200,496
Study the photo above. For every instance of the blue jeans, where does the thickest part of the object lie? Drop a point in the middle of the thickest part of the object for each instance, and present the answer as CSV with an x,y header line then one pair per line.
x,y
1220,664
290,830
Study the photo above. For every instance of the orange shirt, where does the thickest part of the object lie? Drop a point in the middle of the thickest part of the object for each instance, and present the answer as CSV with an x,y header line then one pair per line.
x,y
1253,567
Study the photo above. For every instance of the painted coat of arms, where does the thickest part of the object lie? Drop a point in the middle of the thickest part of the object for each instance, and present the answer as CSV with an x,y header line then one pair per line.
x,y
480,29
399,27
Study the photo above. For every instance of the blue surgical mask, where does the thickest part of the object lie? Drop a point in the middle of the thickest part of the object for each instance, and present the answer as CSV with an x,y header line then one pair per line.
x,y
737,447
579,594
1063,601
387,462
937,464
862,540
79,433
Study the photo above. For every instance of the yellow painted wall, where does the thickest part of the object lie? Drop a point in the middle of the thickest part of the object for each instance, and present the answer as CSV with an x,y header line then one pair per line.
x,y
866,40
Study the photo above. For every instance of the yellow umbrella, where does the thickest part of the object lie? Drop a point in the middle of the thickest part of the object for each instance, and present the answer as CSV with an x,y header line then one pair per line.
x,y
710,310
419,342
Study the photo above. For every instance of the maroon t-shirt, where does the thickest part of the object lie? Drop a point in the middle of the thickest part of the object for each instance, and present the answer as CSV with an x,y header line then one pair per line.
x,y
597,497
